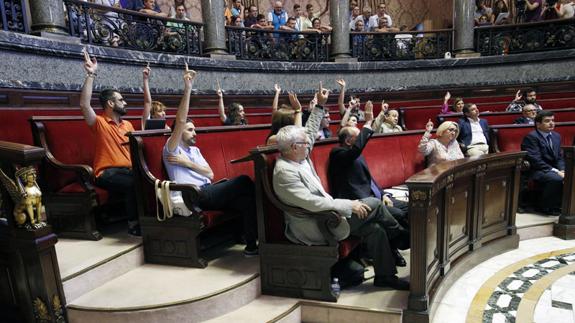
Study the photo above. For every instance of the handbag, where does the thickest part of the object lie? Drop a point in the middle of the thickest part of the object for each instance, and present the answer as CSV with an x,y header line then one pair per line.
x,y
172,202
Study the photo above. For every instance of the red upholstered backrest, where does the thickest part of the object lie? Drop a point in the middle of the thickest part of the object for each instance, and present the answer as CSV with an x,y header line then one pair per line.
x,y
236,145
320,158
211,149
274,219
153,147
509,138
567,133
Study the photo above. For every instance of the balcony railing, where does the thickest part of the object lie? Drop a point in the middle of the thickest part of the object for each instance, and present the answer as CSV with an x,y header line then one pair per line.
x,y
374,46
13,16
528,37
258,44
107,26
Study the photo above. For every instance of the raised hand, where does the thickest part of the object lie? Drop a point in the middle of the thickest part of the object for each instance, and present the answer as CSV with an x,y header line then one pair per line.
x,y
341,82
313,102
294,102
368,111
429,125
384,106
518,95
322,94
90,65
447,97
277,88
189,76
146,72
219,89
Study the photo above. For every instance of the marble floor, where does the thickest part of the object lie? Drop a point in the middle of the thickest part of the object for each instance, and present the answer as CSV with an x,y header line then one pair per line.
x,y
534,283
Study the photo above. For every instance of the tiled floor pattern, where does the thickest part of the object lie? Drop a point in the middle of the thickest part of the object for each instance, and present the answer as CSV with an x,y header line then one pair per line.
x,y
521,280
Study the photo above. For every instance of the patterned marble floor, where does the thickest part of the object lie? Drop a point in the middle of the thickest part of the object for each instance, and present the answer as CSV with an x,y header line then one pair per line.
x,y
534,283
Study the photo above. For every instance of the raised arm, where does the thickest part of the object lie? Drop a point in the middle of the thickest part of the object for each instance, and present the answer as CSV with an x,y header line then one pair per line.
x,y
341,98
276,98
317,113
368,114
380,117
425,146
346,114
221,109
90,66
147,95
182,114
445,105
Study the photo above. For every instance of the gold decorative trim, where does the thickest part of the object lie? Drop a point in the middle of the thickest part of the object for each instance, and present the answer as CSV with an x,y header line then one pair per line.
x,y
40,310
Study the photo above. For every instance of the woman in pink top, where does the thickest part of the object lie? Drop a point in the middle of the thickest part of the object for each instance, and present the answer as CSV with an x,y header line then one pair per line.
x,y
444,147
455,108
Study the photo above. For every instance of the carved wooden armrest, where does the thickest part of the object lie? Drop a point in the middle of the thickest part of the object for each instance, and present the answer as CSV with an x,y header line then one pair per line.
x,y
84,172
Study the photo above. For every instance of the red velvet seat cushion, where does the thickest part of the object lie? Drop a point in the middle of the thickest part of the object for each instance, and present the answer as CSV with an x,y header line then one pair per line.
x,y
101,194
346,246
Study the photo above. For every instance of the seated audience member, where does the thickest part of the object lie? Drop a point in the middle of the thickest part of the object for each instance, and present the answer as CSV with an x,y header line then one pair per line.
x,y
317,26
387,120
500,14
533,10
527,96
112,162
384,27
381,13
284,116
297,184
547,167
473,132
354,17
354,103
185,165
349,119
445,147
252,17
482,10
277,16
529,112
236,115
152,109
457,106
150,8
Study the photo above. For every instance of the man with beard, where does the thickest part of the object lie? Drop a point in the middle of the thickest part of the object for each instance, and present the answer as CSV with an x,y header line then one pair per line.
x,y
112,163
527,96
185,165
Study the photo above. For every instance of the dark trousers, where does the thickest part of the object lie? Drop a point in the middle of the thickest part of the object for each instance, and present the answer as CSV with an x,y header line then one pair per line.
x,y
552,185
119,181
399,212
377,231
235,195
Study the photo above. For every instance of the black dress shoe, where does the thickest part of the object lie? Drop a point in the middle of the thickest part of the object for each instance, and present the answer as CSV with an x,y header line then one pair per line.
x,y
399,260
391,281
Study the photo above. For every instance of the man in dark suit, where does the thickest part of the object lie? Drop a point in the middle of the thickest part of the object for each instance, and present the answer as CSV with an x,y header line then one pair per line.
x,y
350,178
529,112
473,132
547,167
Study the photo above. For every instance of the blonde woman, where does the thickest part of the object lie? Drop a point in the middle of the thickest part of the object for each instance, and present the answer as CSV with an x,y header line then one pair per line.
x,y
444,147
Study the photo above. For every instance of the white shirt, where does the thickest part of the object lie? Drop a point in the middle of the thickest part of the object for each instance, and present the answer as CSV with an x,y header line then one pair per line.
x,y
477,136
374,22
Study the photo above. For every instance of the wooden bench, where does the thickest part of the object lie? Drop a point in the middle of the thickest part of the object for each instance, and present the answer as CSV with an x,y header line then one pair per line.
x,y
177,240
505,138
292,270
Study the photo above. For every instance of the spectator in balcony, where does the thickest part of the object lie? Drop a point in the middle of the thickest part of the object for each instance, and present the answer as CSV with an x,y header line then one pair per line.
x,y
262,23
137,5
533,10
366,14
235,116
529,113
500,14
152,109
238,9
354,17
112,161
364,218
484,21
181,15
381,13
358,40
151,9
457,106
317,26
482,10
473,132
286,115
252,17
311,14
444,147
300,17
385,27
387,120
527,96
111,20
567,9
227,14
277,17
185,165
546,163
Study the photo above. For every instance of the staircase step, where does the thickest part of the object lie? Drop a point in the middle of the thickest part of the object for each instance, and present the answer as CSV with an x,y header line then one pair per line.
x,y
532,225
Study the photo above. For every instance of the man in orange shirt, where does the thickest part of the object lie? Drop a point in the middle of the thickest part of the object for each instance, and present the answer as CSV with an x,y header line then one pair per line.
x,y
112,163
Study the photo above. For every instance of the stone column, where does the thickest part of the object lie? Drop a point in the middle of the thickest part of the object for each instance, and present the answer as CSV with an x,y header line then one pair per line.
x,y
463,21
214,27
339,19
47,16
565,228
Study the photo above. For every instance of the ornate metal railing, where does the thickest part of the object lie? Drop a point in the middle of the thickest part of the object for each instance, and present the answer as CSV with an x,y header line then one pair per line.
x,y
373,46
528,37
13,16
258,44
107,26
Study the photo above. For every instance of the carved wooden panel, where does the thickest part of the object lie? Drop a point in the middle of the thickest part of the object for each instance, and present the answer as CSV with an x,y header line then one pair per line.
x,y
434,253
495,215
459,205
